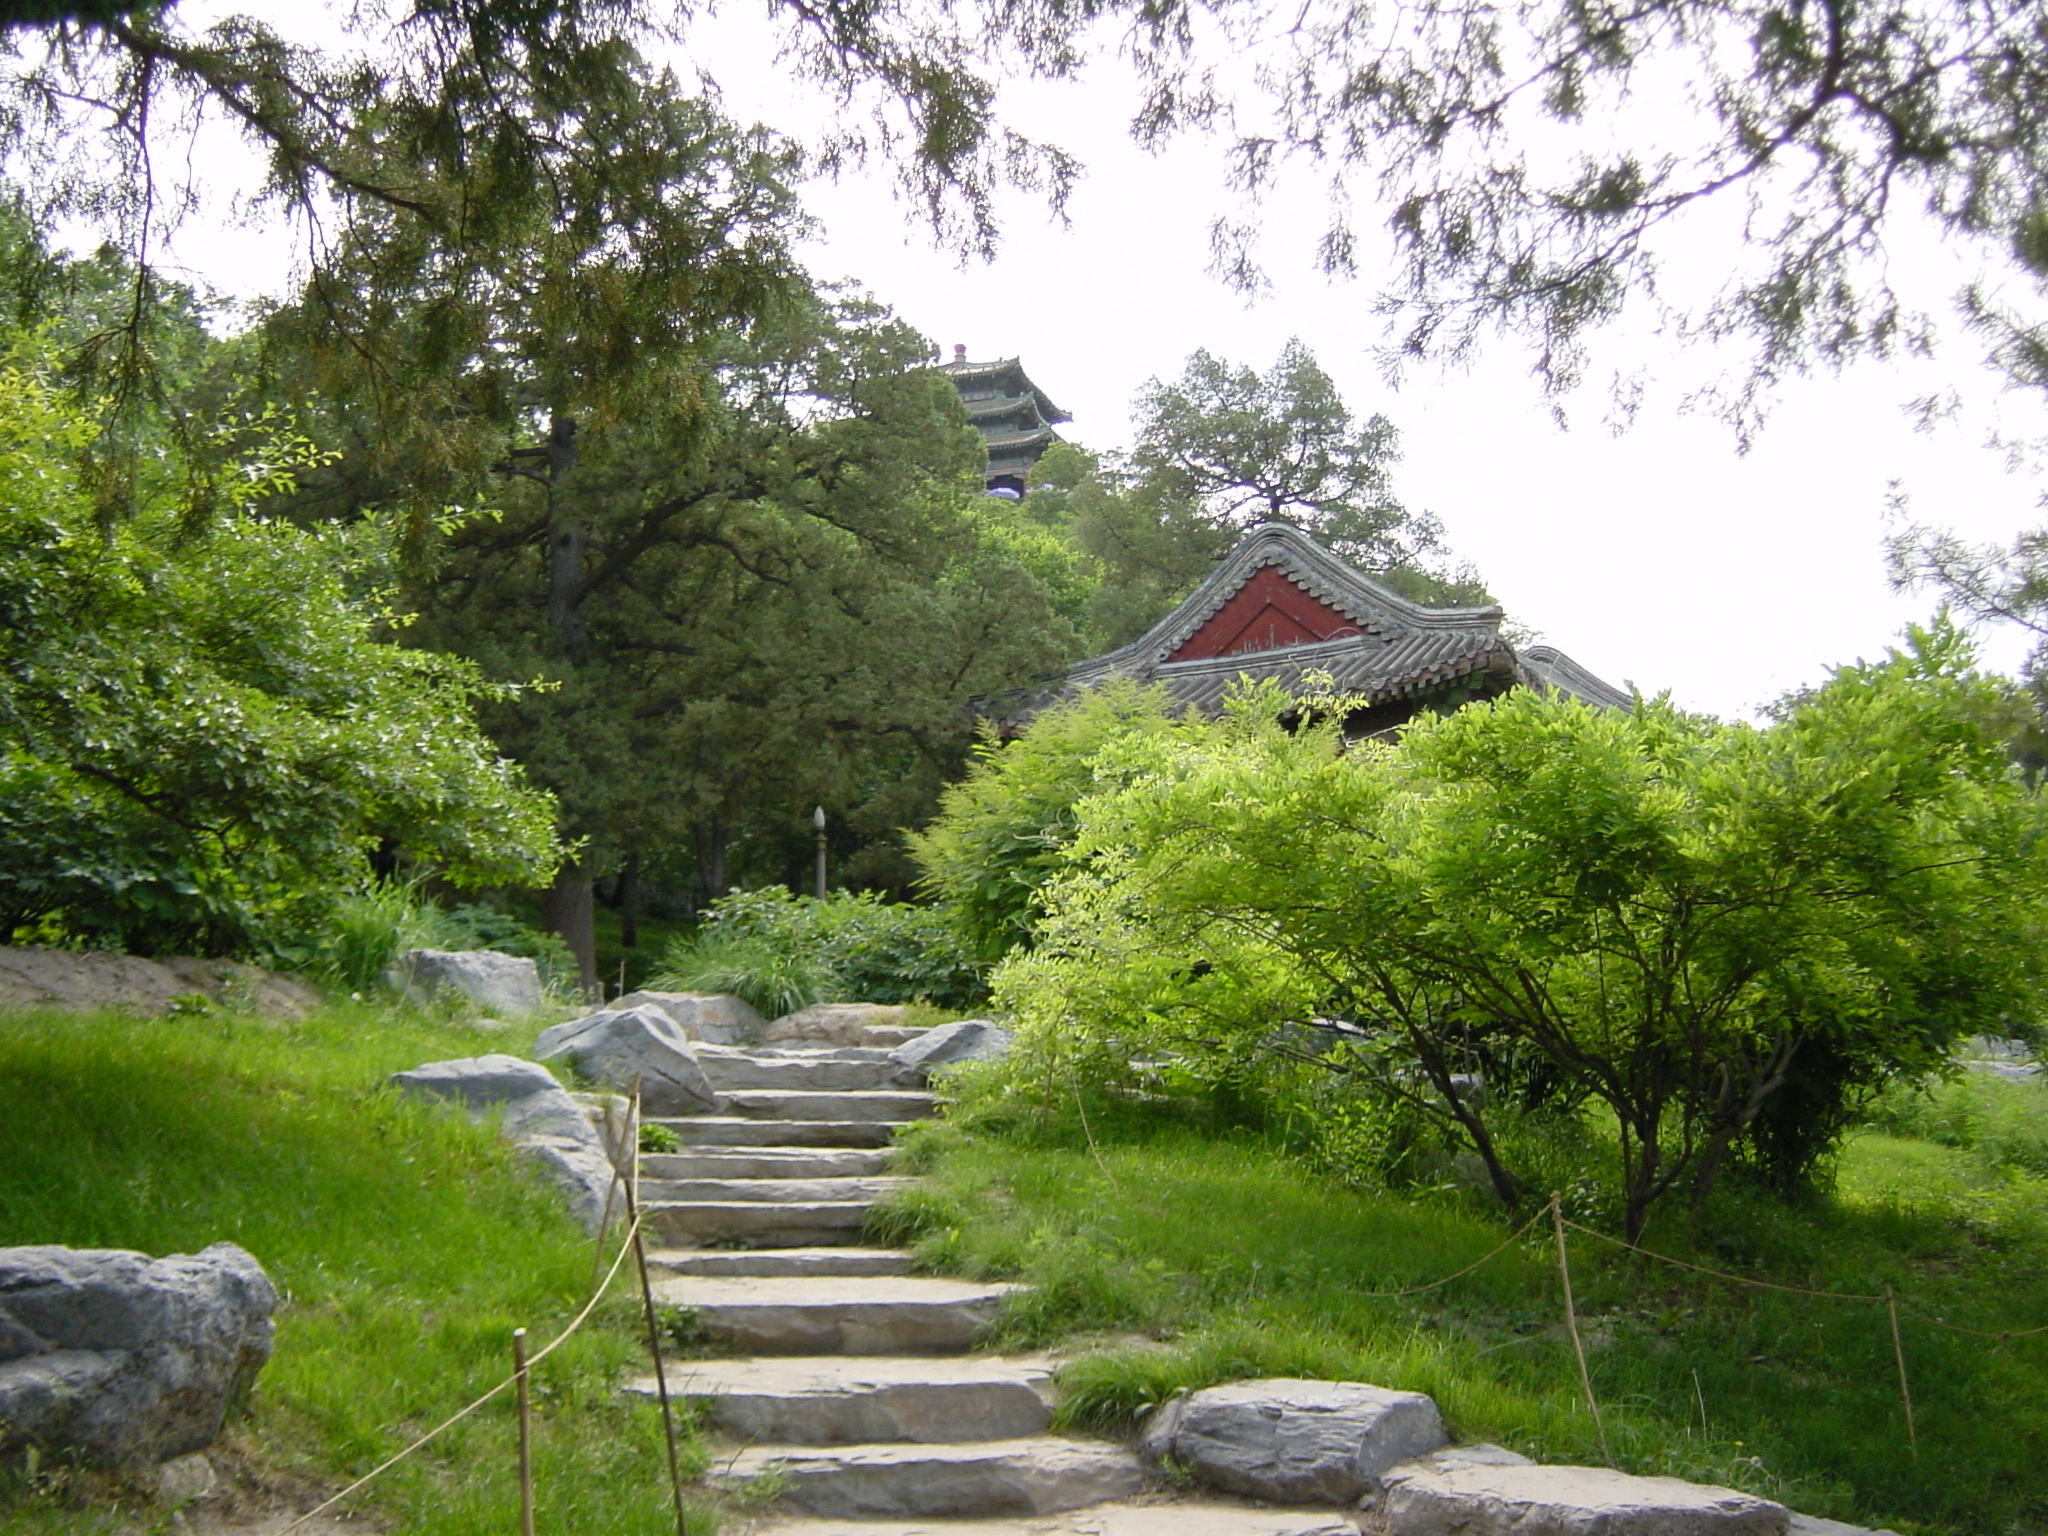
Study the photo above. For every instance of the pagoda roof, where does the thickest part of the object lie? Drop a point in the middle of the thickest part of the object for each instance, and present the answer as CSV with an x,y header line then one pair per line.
x,y
1002,370
1279,605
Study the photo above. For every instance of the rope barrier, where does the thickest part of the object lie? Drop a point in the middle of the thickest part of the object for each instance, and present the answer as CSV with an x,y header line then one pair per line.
x,y
625,1248
1514,1237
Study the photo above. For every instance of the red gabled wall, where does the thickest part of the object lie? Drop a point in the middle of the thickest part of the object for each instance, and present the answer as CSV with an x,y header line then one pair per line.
x,y
1265,613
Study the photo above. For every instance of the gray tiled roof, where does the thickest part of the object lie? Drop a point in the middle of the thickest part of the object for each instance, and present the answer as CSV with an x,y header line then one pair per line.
x,y
1402,650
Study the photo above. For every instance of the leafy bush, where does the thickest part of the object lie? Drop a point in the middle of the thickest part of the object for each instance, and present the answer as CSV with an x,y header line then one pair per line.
x,y
366,930
782,952
201,732
1001,833
1715,940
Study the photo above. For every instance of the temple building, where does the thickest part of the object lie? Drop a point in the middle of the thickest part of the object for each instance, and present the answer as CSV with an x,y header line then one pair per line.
x,y
1014,416
1281,606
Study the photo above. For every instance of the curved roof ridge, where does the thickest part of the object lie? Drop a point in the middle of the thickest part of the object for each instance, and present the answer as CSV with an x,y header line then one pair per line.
x,y
1545,666
1316,571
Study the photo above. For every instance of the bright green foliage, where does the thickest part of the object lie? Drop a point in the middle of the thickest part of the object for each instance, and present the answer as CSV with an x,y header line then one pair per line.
x,y
1724,938
201,736
1002,832
782,952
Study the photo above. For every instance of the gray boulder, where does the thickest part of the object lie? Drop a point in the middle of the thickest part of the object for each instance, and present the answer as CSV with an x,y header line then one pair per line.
x,y
948,1045
713,1017
617,1047
498,984
1293,1442
536,1113
1472,1499
832,1023
116,1359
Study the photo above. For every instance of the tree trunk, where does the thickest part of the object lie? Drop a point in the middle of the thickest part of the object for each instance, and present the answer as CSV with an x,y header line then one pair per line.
x,y
710,836
629,900
566,908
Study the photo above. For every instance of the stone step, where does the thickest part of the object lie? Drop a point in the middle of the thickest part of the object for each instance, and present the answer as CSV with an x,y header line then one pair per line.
x,y
766,1163
888,1036
758,1223
728,1131
828,1191
775,1104
730,1070
1038,1476
844,1315
835,1400
1149,1517
783,1261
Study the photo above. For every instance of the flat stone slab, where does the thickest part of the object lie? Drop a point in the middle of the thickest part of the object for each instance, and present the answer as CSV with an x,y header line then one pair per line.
x,y
888,1036
851,1315
761,1224
1038,1476
1814,1525
1468,1499
826,1071
767,1163
727,1131
784,1261
774,1104
772,1191
1156,1516
840,1400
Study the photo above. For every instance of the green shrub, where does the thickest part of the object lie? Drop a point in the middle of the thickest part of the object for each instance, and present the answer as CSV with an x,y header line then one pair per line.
x,y
782,952
367,930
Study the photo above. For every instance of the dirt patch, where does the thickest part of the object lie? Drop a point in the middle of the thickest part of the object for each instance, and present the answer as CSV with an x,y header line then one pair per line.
x,y
85,979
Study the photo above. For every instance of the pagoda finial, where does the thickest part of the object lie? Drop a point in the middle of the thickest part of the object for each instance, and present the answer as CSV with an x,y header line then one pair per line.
x,y
959,352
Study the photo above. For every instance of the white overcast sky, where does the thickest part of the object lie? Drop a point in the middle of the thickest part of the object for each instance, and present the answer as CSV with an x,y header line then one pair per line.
x,y
1659,555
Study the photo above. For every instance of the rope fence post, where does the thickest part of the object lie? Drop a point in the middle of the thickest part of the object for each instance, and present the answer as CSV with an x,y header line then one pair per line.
x,y
668,1414
1571,1322
1891,1307
519,1370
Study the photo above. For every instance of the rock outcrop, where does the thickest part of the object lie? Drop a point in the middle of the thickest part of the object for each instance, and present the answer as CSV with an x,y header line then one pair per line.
x,y
116,1359
619,1047
507,985
712,1017
946,1046
94,979
1293,1442
539,1116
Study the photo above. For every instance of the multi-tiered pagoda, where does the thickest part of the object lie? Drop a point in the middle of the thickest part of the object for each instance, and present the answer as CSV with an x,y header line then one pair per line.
x,y
1014,416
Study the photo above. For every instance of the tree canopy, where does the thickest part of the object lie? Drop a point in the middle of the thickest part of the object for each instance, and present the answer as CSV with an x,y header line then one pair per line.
x,y
203,740
1218,450
1535,166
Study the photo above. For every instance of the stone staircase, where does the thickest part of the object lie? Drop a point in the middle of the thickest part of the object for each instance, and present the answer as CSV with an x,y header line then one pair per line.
x,y
853,1384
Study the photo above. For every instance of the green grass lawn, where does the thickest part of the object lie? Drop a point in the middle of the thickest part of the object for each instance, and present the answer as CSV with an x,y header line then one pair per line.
x,y
1179,1261
408,1245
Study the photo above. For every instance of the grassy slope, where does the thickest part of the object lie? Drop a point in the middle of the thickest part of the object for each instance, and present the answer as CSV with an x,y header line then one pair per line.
x,y
407,1243
1232,1260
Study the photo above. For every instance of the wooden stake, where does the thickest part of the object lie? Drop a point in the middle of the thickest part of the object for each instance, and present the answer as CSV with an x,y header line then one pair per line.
x,y
1571,1322
525,1434
668,1416
1891,1307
